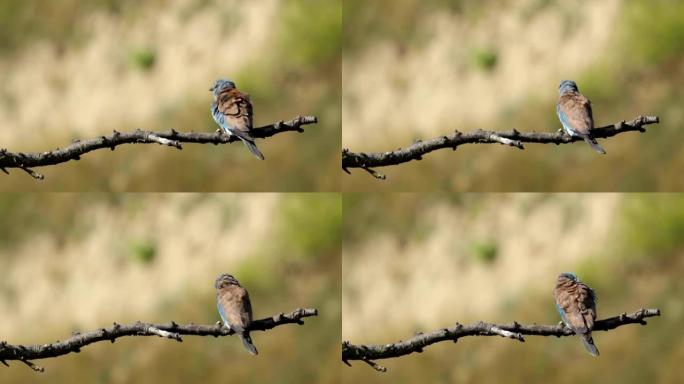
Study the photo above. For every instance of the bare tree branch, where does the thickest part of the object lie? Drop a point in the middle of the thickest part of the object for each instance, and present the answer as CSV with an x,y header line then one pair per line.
x,y
513,138
171,331
368,353
172,138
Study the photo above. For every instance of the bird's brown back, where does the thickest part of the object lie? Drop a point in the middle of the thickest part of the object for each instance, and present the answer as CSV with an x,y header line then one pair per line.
x,y
578,302
577,108
237,107
238,309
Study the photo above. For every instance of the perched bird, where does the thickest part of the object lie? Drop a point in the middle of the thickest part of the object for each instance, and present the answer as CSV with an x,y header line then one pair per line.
x,y
232,111
234,308
574,113
576,304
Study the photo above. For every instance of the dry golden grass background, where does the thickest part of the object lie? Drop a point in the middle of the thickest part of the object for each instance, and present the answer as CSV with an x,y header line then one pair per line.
x,y
77,262
421,69
420,262
78,69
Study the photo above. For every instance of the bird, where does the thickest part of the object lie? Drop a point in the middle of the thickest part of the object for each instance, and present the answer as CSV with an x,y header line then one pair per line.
x,y
574,113
232,111
235,308
576,304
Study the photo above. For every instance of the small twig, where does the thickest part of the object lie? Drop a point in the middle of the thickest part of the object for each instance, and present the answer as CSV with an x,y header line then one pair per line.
x,y
513,138
32,366
31,172
374,365
374,173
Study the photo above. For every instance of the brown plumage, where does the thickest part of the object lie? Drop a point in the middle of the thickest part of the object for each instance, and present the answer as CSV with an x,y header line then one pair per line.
x,y
576,303
575,114
235,308
232,111
237,108
577,108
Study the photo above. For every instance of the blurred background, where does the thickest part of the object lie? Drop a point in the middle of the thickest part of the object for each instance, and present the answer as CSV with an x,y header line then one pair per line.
x,y
417,69
76,262
79,69
418,263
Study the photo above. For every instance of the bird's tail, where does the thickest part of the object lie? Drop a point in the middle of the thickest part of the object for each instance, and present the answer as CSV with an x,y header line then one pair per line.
x,y
589,344
595,145
249,346
253,148
249,143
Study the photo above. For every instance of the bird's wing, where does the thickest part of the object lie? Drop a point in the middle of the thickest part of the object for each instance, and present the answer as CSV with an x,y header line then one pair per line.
x,y
220,311
236,107
590,114
247,309
587,304
232,299
574,112
568,304
561,312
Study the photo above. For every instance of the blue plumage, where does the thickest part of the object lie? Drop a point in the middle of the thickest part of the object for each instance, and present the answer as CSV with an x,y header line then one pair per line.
x,y
221,313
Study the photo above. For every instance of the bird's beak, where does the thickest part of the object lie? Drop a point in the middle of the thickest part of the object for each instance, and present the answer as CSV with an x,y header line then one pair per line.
x,y
211,89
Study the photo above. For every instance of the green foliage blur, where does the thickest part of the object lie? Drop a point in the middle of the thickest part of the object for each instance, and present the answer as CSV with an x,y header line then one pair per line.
x,y
639,263
143,58
485,251
296,265
143,252
297,73
485,58
307,226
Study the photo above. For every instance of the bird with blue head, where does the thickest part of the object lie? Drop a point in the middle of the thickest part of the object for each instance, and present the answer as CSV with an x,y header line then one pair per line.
x,y
576,304
232,111
574,112
235,309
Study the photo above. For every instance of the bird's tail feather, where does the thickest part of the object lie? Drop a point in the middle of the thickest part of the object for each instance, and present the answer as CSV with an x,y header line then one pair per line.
x,y
253,148
595,145
249,142
589,344
247,342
